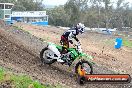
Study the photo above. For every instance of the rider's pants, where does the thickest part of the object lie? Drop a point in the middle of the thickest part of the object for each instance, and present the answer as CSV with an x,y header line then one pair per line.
x,y
65,44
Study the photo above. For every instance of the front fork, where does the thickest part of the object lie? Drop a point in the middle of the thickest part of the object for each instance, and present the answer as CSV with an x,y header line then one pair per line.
x,y
73,65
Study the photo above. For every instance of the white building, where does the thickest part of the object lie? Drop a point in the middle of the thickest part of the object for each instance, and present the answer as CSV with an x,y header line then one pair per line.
x,y
5,11
33,17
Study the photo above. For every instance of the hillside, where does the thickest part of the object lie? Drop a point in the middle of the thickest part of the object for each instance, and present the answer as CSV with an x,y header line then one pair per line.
x,y
19,51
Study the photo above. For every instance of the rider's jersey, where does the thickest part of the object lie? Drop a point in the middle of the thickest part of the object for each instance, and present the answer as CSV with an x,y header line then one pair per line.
x,y
71,33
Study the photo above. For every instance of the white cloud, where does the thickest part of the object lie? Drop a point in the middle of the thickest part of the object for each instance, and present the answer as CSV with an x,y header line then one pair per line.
x,y
54,2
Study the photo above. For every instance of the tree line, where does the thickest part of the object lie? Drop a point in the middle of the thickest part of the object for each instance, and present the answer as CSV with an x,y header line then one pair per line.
x,y
25,5
93,13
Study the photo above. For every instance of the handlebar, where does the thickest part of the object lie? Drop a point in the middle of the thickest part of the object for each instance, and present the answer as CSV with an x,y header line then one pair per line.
x,y
78,47
78,44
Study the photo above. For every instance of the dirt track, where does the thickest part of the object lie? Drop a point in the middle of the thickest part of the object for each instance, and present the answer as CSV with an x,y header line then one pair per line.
x,y
19,51
98,45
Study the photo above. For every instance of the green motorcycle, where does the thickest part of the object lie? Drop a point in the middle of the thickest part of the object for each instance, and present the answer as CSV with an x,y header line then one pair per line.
x,y
51,54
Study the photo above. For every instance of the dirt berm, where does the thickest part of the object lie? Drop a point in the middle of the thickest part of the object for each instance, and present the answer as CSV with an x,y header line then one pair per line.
x,y
19,51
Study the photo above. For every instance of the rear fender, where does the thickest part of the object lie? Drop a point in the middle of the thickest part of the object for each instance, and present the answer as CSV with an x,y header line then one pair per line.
x,y
53,48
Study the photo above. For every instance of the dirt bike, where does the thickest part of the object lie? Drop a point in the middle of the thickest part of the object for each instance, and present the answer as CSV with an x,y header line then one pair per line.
x,y
51,54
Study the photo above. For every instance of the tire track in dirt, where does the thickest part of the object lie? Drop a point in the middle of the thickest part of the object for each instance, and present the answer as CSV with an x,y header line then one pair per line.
x,y
16,53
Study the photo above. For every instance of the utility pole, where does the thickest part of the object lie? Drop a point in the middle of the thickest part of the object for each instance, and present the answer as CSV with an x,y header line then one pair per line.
x,y
98,14
106,14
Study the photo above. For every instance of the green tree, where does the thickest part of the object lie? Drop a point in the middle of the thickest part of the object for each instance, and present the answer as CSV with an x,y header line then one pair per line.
x,y
73,11
25,5
7,1
58,16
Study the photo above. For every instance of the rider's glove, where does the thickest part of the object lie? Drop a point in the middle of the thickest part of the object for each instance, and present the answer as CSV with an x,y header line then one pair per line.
x,y
71,41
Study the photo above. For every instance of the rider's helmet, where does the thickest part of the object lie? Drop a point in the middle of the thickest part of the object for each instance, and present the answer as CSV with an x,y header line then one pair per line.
x,y
80,27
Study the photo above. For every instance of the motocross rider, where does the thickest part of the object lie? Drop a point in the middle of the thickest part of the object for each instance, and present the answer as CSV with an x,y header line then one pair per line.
x,y
68,35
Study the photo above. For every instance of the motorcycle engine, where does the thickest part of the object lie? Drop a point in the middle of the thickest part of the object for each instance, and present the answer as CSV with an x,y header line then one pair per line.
x,y
68,59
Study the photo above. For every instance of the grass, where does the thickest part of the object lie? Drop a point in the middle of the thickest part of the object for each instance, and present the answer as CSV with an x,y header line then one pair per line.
x,y
19,28
1,74
19,81
127,43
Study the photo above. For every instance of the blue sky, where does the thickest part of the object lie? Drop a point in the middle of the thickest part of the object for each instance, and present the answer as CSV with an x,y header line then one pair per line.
x,y
62,2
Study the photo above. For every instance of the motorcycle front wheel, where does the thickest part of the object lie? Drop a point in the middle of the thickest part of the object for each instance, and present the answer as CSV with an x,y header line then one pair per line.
x,y
84,65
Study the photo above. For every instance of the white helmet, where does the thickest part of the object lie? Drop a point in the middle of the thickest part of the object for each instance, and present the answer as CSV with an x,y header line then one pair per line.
x,y
80,27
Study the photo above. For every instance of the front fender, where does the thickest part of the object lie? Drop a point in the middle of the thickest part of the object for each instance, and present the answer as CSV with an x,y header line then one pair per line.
x,y
87,57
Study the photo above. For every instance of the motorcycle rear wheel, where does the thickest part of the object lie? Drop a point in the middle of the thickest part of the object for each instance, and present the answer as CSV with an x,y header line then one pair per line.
x,y
44,58
81,80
